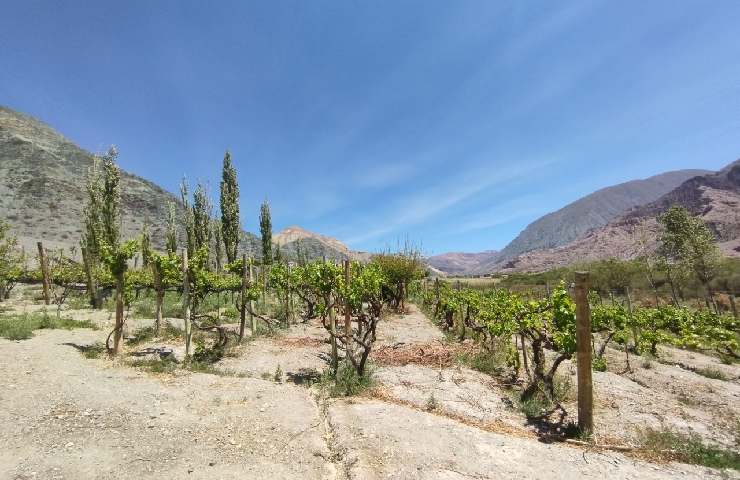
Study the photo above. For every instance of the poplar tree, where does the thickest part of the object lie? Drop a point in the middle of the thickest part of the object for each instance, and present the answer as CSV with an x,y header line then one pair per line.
x,y
266,232
91,236
171,235
146,245
217,229
229,209
202,214
687,240
112,252
187,220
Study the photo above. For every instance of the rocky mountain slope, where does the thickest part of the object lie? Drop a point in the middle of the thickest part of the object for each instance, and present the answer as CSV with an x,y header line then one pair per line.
x,y
593,211
459,263
295,239
42,193
714,197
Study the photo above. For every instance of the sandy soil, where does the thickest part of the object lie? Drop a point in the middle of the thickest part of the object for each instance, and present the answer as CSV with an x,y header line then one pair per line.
x,y
65,416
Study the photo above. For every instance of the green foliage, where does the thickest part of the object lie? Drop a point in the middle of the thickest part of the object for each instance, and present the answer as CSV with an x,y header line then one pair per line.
x,y
166,365
712,372
431,404
171,235
266,232
599,364
495,362
400,270
217,246
146,334
687,240
347,382
202,214
10,261
145,242
676,446
229,209
21,327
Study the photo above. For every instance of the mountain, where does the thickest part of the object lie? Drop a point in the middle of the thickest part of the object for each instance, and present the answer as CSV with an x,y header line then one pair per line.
x,y
459,263
714,197
593,211
42,194
295,241
297,234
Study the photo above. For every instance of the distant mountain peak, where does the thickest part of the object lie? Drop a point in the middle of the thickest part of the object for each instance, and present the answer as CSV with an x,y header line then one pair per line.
x,y
296,233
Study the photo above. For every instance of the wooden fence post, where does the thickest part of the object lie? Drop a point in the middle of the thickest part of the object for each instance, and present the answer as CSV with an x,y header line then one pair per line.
x,y
243,312
733,306
583,346
252,318
348,317
186,301
44,264
333,331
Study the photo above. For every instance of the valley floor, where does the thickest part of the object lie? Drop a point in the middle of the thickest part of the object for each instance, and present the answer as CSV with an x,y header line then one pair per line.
x,y
67,416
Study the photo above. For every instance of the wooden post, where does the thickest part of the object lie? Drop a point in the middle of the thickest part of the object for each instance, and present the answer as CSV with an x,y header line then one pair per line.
x,y
733,306
288,312
583,345
44,264
186,301
348,317
243,312
118,333
158,295
333,330
252,318
634,330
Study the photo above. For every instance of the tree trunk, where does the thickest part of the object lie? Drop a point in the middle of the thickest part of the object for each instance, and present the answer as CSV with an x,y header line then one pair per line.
x,y
186,302
44,265
159,299
252,318
333,330
243,310
348,316
676,303
118,332
583,346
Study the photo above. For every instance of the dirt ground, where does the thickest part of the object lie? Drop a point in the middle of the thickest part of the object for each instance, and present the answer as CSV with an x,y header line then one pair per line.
x,y
67,416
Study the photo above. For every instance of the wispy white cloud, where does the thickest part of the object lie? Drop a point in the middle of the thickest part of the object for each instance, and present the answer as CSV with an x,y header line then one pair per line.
x,y
385,175
416,208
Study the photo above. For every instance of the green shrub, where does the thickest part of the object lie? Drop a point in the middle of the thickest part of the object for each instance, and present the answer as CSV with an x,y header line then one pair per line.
x,y
346,382
599,364
21,327
166,365
711,372
491,363
671,445
432,403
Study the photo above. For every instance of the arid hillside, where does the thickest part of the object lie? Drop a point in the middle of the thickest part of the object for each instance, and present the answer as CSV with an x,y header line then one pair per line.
x,y
42,194
460,263
714,197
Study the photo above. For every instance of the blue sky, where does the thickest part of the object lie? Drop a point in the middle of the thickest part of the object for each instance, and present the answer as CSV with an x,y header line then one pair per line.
x,y
452,124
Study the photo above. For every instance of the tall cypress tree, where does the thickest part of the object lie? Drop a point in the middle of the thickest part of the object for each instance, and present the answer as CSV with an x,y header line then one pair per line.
x,y
229,209
266,232
202,214
171,238
145,244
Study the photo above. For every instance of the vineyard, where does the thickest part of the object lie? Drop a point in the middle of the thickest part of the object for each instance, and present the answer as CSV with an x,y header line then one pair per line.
x,y
202,360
